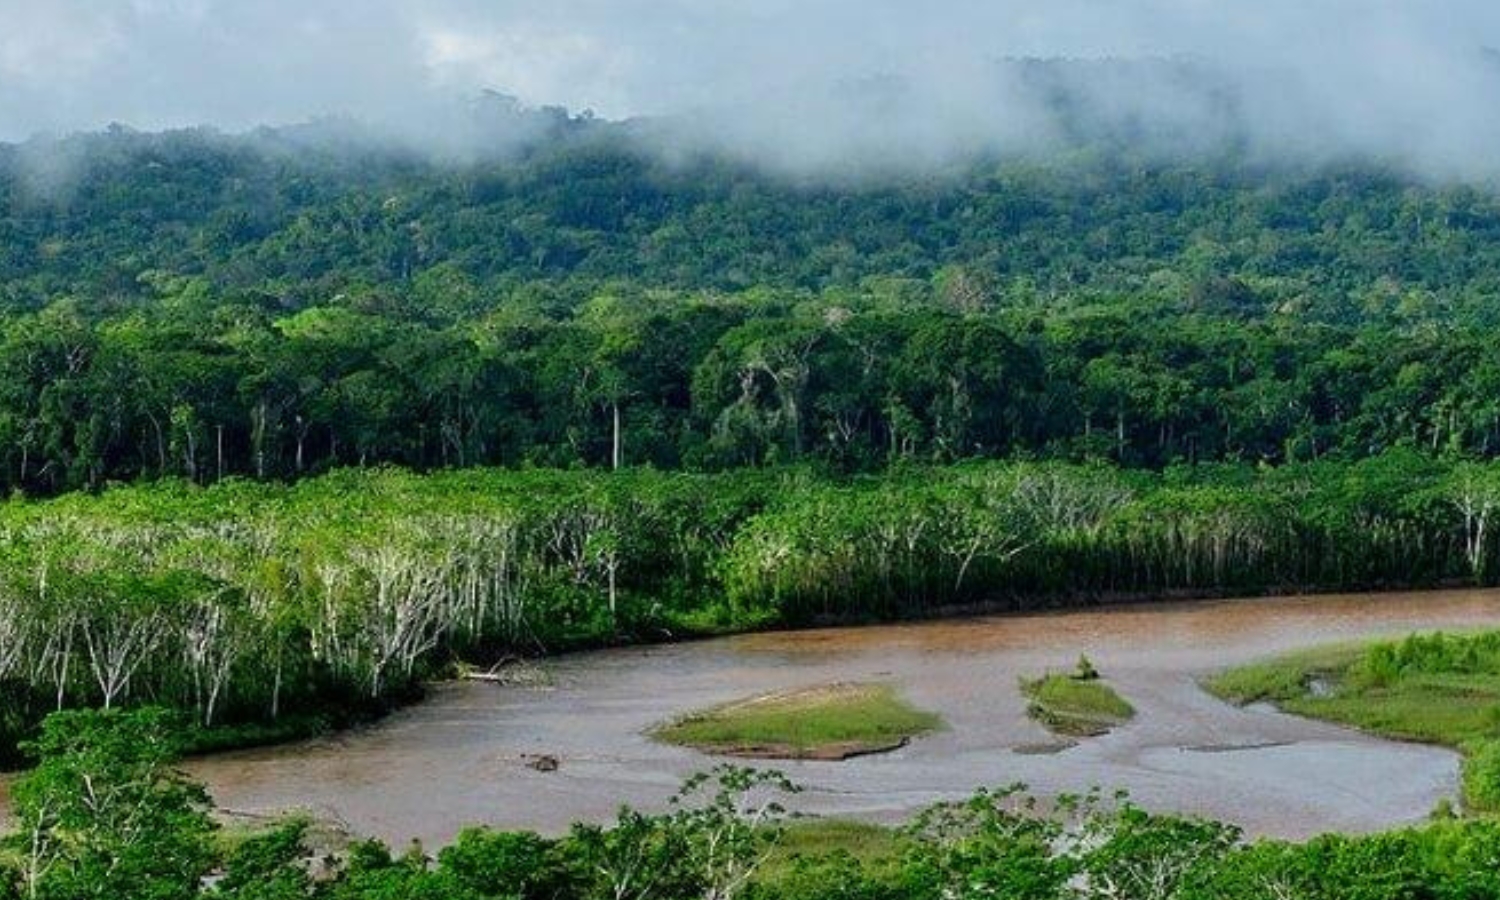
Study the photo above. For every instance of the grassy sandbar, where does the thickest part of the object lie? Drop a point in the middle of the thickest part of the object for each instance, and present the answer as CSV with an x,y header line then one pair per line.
x,y
1439,689
1076,707
833,722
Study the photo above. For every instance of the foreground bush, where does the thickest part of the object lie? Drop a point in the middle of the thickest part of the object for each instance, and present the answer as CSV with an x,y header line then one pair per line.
x,y
1481,776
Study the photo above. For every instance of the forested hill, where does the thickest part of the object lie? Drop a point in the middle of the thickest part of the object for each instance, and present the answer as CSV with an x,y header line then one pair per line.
x,y
298,216
284,302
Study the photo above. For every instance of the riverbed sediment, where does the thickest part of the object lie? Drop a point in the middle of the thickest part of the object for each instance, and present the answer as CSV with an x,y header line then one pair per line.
x,y
459,757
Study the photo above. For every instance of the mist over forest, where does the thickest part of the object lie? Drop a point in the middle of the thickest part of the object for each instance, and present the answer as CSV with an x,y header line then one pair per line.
x,y
555,288
803,87
350,346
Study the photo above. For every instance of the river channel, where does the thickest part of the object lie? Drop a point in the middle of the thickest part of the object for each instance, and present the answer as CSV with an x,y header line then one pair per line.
x,y
460,757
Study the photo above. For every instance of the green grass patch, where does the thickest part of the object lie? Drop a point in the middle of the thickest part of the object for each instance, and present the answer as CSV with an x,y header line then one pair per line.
x,y
810,838
1432,702
1075,706
1427,713
1439,689
1283,678
829,722
811,844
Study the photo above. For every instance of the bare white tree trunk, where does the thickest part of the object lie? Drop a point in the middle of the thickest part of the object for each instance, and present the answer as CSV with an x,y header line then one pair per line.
x,y
117,644
617,454
1478,504
13,635
383,606
211,647
41,850
54,662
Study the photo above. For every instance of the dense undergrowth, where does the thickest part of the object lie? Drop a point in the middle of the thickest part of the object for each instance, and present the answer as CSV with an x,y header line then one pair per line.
x,y
252,603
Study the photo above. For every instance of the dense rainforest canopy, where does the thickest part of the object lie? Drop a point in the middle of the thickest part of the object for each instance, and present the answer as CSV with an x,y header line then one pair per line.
x,y
197,305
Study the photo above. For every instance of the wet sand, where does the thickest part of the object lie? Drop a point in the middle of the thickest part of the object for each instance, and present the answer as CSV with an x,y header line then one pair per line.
x,y
460,757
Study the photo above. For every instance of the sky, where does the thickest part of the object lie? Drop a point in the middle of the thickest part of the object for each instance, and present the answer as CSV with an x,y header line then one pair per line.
x,y
1409,80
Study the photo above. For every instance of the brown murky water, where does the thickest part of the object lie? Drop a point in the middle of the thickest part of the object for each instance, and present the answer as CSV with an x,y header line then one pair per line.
x,y
458,758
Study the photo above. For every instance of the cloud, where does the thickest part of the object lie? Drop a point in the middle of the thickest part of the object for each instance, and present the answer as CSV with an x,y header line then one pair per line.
x,y
793,82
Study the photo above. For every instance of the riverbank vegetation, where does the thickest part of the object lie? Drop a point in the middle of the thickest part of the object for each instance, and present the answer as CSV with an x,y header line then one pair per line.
x,y
1076,704
262,605
104,815
1436,688
828,722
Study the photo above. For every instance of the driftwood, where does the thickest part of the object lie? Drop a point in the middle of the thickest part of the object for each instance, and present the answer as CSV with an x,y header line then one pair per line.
x,y
511,671
543,762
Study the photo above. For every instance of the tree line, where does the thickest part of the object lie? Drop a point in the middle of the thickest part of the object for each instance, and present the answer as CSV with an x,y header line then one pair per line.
x,y
254,604
204,389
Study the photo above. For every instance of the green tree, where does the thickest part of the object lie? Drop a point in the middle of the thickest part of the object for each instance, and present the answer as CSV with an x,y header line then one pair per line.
x,y
103,815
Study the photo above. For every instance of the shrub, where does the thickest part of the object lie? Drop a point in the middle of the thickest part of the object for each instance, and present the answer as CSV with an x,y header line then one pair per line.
x,y
1481,776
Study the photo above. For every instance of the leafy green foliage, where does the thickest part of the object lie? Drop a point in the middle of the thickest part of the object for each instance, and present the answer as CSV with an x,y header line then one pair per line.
x,y
200,306
269,866
991,845
1134,854
103,815
515,865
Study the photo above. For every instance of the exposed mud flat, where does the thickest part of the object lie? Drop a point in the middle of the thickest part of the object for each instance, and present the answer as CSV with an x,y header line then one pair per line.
x,y
457,759
837,752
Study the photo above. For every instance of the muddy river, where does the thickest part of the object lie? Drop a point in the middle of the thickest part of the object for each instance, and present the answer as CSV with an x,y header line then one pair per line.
x,y
459,758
